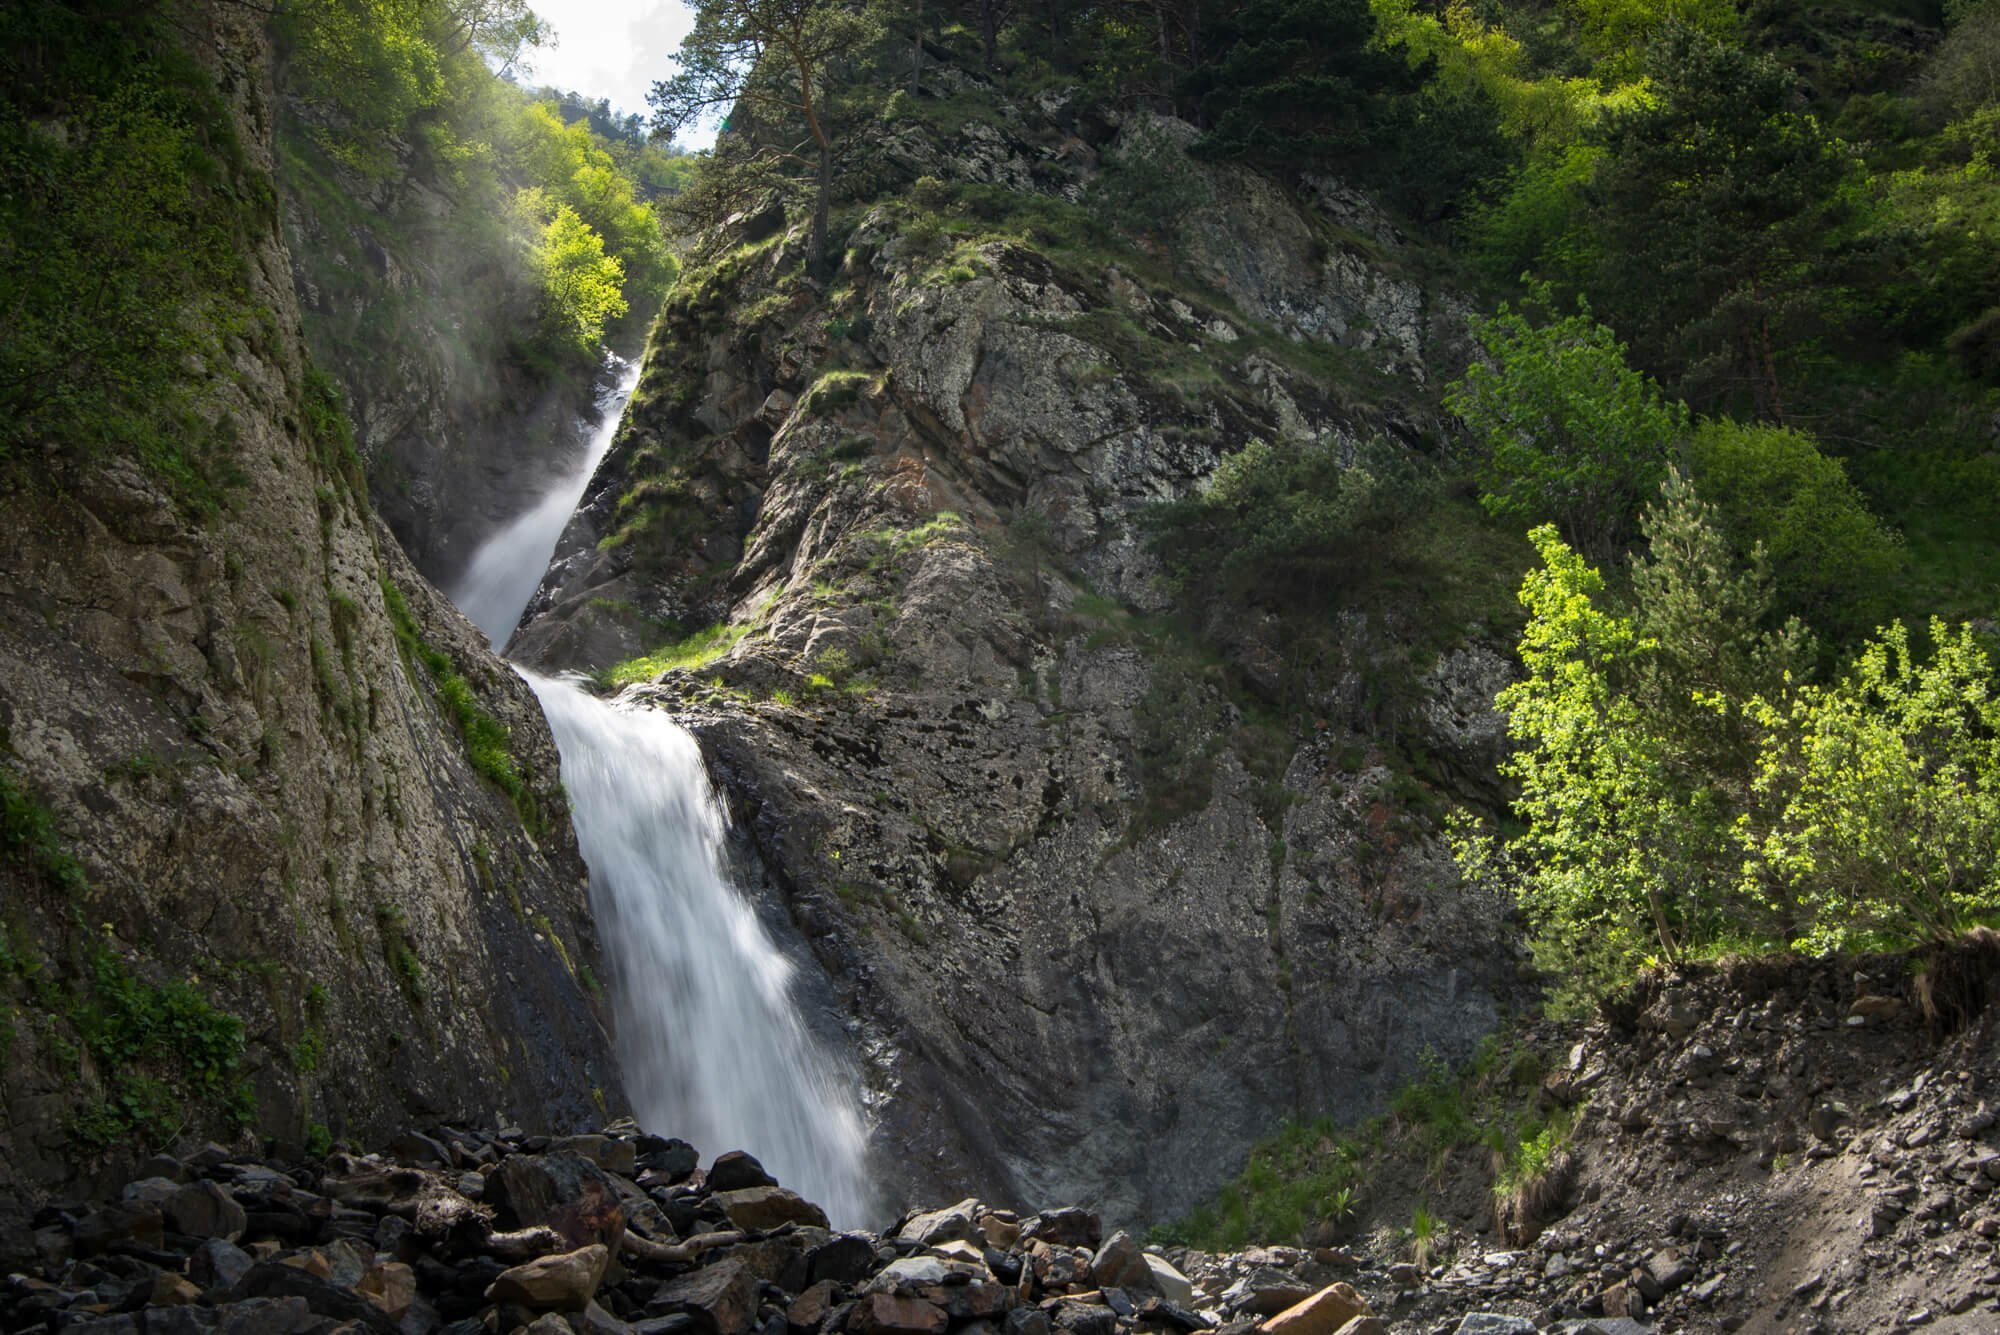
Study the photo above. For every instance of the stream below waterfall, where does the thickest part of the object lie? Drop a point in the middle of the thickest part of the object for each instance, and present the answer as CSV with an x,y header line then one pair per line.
x,y
709,1039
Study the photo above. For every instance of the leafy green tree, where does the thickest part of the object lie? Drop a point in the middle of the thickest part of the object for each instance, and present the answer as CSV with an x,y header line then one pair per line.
x,y
1638,741
581,285
1568,431
1616,33
769,60
1718,201
1833,562
1888,790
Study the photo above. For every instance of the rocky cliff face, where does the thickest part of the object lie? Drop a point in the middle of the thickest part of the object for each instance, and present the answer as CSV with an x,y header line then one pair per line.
x,y
259,773
1103,907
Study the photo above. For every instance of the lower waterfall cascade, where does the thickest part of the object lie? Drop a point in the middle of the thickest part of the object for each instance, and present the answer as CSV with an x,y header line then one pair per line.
x,y
709,1039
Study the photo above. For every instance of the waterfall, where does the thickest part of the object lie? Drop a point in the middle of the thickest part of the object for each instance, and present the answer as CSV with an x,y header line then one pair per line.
x,y
709,1042
508,567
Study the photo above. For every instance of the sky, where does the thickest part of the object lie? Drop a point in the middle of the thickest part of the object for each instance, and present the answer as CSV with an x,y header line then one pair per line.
x,y
614,49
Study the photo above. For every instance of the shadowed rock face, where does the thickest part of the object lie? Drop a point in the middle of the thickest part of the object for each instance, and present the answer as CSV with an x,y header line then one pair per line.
x,y
268,795
1088,941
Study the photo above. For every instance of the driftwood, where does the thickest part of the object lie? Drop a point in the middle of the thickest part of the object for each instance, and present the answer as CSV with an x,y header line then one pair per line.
x,y
678,1253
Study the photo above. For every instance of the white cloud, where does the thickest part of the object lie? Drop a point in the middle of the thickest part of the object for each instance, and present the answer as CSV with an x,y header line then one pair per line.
x,y
612,48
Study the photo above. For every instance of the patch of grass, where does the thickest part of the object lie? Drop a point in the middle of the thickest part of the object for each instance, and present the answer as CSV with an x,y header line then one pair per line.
x,y
164,1053
695,652
28,838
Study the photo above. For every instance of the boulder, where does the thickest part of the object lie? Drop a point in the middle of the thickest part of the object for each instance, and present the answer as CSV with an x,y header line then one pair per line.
x,y
889,1314
957,1223
848,1259
762,1208
565,1282
737,1171
1168,1282
1120,1264
722,1298
391,1286
1067,1227
565,1192
275,1279
809,1310
103,1229
1322,1314
1494,1323
611,1153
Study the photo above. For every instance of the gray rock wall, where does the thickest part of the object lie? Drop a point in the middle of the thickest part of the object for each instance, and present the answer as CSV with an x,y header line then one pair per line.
x,y
270,798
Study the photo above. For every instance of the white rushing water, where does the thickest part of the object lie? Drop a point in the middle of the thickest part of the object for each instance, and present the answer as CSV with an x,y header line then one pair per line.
x,y
508,567
710,1042
709,1039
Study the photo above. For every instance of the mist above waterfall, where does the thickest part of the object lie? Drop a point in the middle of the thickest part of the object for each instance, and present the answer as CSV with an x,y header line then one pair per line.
x,y
709,1039
508,567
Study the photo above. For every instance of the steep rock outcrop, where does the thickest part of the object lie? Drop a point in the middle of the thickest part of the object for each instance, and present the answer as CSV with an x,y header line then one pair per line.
x,y
257,771
1104,909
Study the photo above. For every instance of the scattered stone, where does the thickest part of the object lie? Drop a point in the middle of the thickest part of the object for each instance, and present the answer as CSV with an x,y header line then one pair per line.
x,y
956,1223
563,1192
563,1283
889,1314
1168,1282
1322,1314
722,1298
1120,1264
1067,1227
764,1208
1493,1323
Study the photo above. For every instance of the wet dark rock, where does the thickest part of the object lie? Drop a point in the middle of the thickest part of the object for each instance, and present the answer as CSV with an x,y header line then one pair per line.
x,y
736,1171
275,1279
720,1298
847,1259
1070,1226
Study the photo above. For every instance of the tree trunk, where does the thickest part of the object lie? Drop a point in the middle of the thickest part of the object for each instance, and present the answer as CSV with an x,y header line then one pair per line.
x,y
989,21
822,205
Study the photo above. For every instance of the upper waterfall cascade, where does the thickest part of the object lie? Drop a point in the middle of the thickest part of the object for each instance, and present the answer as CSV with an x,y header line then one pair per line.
x,y
508,567
709,1038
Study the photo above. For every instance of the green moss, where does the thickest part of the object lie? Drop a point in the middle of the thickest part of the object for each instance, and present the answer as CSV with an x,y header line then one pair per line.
x,y
488,743
399,952
128,205
162,1052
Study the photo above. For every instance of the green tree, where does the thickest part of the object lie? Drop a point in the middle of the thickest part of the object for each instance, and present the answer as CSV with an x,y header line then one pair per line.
x,y
1298,83
1718,201
1888,791
1833,563
768,60
1568,431
1639,742
581,285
